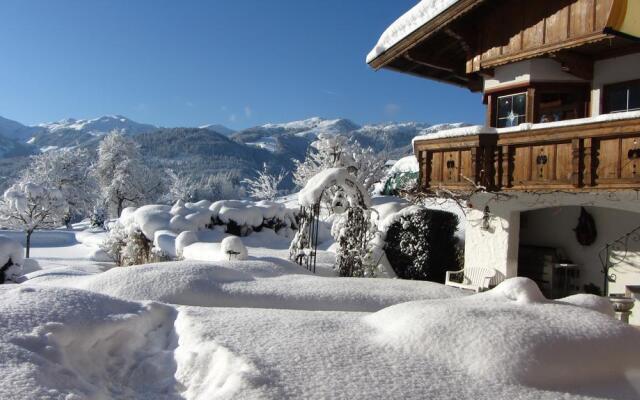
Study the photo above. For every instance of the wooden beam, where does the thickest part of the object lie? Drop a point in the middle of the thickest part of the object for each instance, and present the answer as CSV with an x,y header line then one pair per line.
x,y
575,64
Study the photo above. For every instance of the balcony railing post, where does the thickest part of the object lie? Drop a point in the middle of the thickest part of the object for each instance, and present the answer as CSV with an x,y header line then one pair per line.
x,y
577,162
589,162
507,167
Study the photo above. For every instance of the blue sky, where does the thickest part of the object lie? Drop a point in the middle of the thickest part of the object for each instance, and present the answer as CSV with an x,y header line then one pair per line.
x,y
240,63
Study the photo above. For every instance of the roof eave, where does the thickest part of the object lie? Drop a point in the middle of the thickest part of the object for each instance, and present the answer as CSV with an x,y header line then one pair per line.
x,y
439,22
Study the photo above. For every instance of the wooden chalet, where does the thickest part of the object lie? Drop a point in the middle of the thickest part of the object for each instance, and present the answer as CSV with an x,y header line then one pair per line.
x,y
561,83
534,62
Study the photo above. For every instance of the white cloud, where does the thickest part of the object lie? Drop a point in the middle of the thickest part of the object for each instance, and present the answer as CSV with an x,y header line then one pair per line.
x,y
233,117
248,111
391,109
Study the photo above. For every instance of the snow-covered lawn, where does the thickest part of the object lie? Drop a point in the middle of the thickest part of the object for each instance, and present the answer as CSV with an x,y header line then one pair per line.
x,y
267,329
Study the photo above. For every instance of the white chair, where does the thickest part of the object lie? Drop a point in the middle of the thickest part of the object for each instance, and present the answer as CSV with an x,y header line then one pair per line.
x,y
476,279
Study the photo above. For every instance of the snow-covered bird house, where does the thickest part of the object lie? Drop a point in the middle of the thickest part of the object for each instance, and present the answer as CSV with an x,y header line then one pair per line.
x,y
561,85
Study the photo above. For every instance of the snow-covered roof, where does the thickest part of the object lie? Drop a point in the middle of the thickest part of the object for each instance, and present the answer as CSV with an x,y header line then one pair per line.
x,y
419,15
485,130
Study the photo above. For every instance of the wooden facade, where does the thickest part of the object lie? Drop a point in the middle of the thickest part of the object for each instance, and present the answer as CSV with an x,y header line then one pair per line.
x,y
521,29
595,156
467,41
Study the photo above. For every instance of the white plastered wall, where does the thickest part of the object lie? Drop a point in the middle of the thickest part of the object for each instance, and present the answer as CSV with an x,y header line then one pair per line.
x,y
613,70
498,246
535,70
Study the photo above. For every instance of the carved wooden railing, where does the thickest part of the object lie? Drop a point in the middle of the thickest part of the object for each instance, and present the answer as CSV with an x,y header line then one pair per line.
x,y
457,163
598,155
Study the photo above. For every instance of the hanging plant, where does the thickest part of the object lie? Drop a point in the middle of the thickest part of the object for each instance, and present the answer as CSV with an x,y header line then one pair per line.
x,y
586,232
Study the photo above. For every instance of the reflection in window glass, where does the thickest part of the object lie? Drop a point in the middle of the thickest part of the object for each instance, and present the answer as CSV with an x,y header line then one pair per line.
x,y
511,110
622,97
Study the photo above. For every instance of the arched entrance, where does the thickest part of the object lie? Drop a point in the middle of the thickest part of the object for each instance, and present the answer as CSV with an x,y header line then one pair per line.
x,y
336,189
553,251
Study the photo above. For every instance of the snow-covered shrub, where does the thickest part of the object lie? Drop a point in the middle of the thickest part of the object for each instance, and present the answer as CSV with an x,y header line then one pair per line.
x,y
99,216
265,185
421,245
233,248
137,249
126,245
11,259
354,232
241,218
28,206
115,241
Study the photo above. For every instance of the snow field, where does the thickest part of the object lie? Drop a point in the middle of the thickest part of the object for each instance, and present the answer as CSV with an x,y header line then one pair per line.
x,y
512,334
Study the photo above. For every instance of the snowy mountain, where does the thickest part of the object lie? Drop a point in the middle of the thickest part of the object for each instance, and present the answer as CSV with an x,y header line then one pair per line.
x,y
15,130
210,149
99,126
13,148
295,137
219,129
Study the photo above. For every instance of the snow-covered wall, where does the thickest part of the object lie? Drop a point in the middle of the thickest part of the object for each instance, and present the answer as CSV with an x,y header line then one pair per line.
x,y
613,70
615,214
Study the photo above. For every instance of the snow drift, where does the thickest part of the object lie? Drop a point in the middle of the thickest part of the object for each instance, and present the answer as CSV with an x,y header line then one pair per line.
x,y
512,334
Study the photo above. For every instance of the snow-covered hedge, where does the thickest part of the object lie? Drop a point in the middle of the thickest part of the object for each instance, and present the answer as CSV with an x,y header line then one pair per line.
x,y
11,259
159,232
421,244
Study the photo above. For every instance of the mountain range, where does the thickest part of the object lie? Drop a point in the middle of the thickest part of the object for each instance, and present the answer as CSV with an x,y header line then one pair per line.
x,y
205,150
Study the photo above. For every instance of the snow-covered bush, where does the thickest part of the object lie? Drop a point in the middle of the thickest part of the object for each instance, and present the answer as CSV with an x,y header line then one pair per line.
x,y
265,185
233,248
123,177
69,171
114,242
99,216
354,232
11,259
241,218
27,206
402,176
421,245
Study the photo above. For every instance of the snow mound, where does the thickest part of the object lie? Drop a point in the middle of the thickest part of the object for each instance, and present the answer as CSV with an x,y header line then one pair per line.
x,y
183,240
233,248
165,241
70,344
11,251
262,284
512,335
520,290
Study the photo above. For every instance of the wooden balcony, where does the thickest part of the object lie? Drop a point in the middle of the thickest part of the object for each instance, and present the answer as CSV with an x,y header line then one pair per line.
x,y
581,157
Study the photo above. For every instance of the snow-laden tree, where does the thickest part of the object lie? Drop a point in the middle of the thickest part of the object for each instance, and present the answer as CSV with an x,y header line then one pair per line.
x,y
180,187
354,233
27,206
69,171
265,185
123,177
335,151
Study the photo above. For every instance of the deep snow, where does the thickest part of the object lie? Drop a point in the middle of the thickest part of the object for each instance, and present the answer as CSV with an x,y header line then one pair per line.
x,y
266,328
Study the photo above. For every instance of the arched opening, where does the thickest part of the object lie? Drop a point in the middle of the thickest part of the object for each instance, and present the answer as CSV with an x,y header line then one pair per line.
x,y
564,257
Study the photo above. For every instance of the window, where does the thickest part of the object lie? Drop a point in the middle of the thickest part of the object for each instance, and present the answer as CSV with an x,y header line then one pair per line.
x,y
512,110
622,97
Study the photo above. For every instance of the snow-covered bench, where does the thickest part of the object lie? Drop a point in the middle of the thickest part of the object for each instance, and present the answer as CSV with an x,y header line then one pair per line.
x,y
476,279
